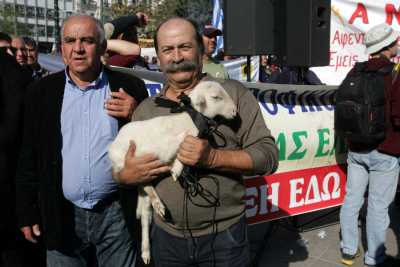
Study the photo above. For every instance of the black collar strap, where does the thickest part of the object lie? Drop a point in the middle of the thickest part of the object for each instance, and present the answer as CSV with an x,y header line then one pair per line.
x,y
203,124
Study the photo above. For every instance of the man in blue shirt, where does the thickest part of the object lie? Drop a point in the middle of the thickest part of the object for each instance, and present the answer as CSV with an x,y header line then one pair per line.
x,y
65,190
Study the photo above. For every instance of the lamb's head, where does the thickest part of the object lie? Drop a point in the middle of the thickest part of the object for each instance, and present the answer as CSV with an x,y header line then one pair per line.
x,y
211,99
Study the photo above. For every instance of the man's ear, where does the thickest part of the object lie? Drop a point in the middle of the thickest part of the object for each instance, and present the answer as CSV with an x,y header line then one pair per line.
x,y
62,55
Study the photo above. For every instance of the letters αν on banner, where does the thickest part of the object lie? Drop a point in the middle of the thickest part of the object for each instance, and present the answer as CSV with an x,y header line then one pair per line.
x,y
350,19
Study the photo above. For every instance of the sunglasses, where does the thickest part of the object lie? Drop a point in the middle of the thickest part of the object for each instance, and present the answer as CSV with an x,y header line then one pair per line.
x,y
6,49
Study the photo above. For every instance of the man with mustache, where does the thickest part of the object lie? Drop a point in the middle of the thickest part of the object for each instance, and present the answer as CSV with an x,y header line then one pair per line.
x,y
208,226
70,119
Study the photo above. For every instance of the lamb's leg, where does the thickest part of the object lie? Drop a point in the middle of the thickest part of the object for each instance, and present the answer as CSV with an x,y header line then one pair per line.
x,y
140,203
176,169
155,200
177,166
145,220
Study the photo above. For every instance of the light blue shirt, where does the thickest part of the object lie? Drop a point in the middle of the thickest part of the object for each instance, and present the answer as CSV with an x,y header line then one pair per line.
x,y
87,130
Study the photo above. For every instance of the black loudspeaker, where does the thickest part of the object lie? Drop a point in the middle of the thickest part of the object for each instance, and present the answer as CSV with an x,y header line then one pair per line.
x,y
248,26
296,31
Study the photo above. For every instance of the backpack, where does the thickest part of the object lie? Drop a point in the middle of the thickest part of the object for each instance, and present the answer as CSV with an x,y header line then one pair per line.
x,y
360,105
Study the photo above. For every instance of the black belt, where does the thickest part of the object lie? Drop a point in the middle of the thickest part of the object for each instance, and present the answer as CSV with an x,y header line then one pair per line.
x,y
105,202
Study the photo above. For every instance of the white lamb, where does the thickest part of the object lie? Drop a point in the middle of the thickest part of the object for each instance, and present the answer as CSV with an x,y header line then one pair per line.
x,y
162,136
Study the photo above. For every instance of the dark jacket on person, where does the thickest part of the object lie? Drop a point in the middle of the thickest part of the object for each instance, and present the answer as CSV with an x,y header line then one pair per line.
x,y
296,75
38,72
391,144
40,198
13,81
122,24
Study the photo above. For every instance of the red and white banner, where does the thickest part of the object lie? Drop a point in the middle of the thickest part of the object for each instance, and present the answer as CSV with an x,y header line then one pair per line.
x,y
350,19
291,193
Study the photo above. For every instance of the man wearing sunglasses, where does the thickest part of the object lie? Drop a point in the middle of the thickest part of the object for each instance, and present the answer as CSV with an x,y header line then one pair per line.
x,y
5,43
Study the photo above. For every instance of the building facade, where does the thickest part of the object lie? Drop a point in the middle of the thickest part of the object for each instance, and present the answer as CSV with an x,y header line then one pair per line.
x,y
36,18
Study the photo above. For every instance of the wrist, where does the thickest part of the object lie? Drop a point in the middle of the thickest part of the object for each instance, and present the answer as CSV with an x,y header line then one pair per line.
x,y
211,161
117,176
121,176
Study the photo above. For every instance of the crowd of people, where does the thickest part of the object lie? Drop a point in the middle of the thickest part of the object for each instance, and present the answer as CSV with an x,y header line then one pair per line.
x,y
64,206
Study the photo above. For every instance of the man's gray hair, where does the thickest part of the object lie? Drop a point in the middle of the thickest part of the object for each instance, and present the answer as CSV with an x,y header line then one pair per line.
x,y
99,27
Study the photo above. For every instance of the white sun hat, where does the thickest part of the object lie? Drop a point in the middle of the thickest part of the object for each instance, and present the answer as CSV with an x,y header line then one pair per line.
x,y
379,37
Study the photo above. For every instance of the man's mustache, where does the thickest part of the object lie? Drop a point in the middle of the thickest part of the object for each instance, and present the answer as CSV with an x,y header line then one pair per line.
x,y
185,65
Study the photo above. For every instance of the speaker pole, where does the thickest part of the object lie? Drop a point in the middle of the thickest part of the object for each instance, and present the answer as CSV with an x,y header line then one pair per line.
x,y
248,72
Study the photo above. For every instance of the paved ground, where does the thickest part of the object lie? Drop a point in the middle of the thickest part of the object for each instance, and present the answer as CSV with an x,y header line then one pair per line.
x,y
317,245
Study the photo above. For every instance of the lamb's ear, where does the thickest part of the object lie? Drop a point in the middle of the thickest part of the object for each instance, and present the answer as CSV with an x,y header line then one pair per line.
x,y
199,103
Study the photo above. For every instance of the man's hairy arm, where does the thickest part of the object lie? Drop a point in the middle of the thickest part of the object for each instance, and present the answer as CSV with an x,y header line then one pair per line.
x,y
194,151
257,154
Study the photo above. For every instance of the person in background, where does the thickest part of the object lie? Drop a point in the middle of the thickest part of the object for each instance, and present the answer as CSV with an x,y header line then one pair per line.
x,y
15,251
210,64
125,28
32,51
154,65
373,167
122,48
297,75
16,48
5,43
268,70
20,53
146,59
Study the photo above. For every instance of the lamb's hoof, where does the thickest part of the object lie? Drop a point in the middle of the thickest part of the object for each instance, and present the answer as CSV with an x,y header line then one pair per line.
x,y
146,257
174,176
158,207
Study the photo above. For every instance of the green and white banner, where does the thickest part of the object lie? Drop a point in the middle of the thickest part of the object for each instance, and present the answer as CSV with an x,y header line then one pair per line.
x,y
311,174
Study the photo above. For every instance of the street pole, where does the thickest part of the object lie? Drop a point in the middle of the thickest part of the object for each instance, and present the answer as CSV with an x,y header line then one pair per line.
x,y
56,27
101,12
248,64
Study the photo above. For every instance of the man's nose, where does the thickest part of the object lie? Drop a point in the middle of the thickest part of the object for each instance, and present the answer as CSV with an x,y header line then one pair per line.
x,y
177,56
78,47
20,52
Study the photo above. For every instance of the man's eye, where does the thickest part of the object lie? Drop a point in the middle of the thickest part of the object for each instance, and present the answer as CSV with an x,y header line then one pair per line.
x,y
88,40
69,40
185,48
